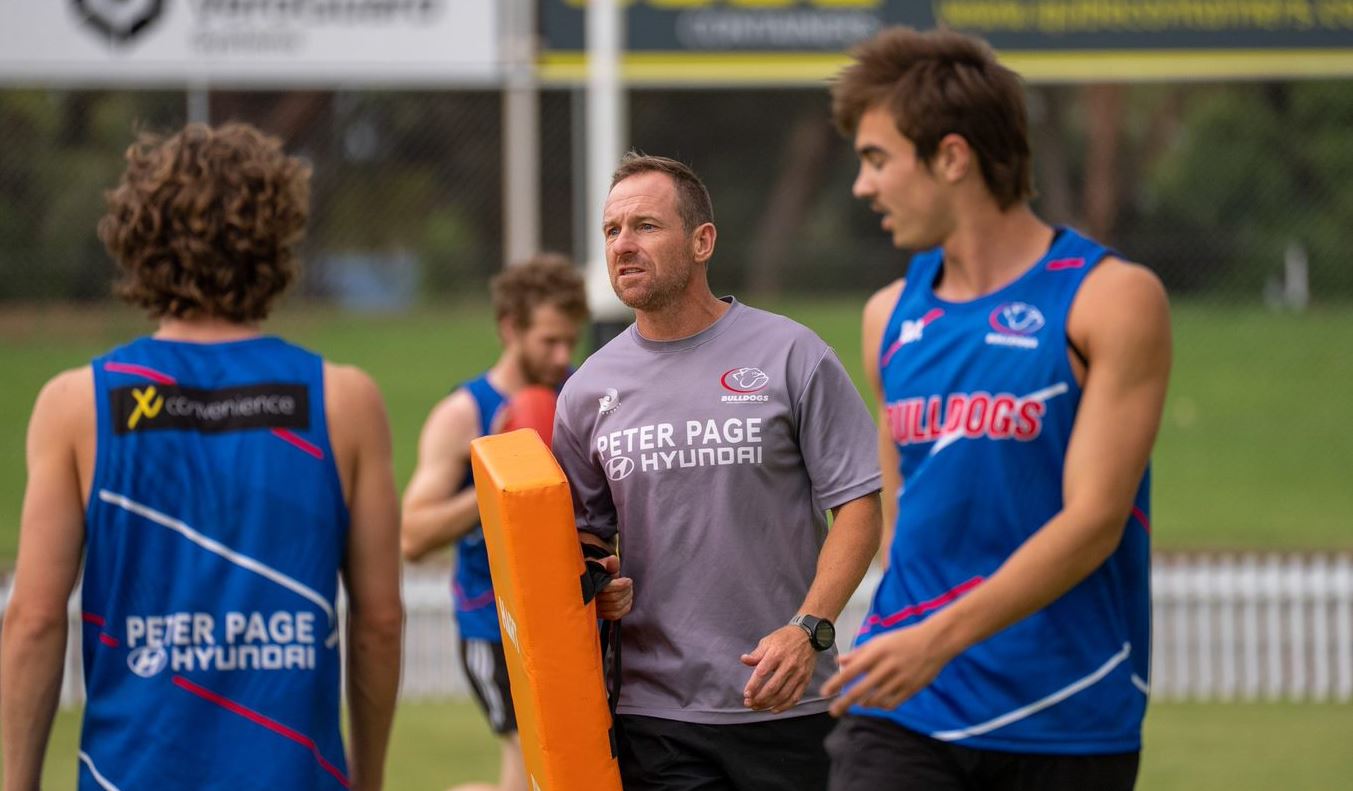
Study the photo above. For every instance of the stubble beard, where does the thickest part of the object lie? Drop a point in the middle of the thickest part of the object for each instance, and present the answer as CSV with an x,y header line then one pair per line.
x,y
538,375
663,293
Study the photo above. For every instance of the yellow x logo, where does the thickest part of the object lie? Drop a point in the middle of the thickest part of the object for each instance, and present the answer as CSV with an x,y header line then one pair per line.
x,y
147,403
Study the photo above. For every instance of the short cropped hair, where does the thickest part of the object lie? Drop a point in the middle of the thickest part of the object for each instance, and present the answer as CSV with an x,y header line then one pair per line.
x,y
544,279
205,222
693,201
937,83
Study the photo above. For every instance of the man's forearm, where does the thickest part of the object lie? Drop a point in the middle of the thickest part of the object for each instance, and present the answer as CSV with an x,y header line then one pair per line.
x,y
1053,561
373,684
845,556
427,528
32,659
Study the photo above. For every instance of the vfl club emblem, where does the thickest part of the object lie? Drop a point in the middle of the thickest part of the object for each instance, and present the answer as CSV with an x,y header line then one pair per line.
x,y
147,660
1017,318
608,402
744,380
619,468
119,21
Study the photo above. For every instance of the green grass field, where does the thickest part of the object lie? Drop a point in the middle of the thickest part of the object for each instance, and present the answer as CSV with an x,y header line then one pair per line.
x,y
1189,746
1254,451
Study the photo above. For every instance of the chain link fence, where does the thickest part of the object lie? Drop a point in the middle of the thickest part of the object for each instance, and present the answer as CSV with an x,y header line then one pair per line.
x,y
1237,192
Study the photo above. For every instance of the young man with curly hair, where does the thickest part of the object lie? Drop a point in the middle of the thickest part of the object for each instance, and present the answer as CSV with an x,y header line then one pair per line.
x,y
1020,370
540,307
215,483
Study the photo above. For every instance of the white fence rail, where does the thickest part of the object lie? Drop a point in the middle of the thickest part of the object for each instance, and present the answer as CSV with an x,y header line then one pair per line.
x,y
1239,627
1253,627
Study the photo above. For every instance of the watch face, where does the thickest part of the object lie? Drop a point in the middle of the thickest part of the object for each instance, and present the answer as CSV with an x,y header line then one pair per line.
x,y
824,634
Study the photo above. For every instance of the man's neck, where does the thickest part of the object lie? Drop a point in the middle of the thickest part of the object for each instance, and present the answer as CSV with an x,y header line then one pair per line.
x,y
205,330
990,249
687,316
507,375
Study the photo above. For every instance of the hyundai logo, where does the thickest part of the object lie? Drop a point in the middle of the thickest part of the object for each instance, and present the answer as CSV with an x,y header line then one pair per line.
x,y
619,468
147,660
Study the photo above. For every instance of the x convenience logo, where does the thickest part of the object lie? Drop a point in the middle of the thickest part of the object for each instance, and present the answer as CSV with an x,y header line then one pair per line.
x,y
148,404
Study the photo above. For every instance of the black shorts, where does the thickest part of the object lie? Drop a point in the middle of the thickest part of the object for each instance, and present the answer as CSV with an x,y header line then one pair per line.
x,y
873,754
784,754
486,668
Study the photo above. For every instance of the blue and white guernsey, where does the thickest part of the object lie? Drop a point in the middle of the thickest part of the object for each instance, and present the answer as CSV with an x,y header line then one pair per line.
x,y
980,401
215,530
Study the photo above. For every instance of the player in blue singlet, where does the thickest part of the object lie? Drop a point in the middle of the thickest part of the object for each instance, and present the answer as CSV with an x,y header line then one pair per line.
x,y
1020,371
540,307
203,479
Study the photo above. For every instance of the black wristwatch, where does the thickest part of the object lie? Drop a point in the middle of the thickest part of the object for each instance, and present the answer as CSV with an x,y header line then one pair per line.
x,y
821,632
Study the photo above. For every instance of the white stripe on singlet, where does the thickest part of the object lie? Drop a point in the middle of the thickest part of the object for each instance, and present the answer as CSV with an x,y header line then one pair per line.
x,y
98,778
238,558
1037,706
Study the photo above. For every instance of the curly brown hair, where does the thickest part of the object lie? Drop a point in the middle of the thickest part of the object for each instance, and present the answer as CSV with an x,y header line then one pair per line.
x,y
936,83
205,223
544,279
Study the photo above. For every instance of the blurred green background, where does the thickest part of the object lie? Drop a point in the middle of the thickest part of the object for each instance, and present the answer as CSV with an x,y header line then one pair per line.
x,y
1249,454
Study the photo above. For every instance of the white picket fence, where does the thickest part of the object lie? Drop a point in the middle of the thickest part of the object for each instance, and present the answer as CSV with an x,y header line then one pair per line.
x,y
1235,627
1253,627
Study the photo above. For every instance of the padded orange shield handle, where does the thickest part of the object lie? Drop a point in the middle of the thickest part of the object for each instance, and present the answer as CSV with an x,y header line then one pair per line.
x,y
549,634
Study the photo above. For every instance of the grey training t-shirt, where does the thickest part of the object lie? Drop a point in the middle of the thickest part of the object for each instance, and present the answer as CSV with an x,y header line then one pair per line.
x,y
715,457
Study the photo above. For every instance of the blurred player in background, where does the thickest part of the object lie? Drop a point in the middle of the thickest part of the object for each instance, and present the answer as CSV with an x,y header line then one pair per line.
x,y
710,439
1021,371
216,482
540,307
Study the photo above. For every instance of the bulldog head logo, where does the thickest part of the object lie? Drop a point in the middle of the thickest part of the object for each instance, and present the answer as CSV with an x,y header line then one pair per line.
x,y
744,380
1017,318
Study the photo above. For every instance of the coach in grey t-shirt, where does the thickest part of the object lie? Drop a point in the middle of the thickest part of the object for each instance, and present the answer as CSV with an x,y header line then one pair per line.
x,y
712,437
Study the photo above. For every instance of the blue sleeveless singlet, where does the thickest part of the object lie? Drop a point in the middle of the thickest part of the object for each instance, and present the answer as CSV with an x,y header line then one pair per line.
x,y
215,530
471,585
980,401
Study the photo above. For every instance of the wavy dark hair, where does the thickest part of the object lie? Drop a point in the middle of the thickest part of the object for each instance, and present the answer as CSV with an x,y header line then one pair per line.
x,y
205,222
939,82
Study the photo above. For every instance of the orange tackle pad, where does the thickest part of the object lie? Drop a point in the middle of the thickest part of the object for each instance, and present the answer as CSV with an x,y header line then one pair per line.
x,y
549,634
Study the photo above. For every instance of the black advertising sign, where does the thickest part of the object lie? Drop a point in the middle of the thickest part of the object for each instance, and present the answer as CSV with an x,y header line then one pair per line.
x,y
805,40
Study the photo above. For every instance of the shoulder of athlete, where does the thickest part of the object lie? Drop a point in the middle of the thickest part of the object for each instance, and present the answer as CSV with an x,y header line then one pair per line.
x,y
347,387
880,306
70,388
874,321
1120,302
354,408
63,411
453,419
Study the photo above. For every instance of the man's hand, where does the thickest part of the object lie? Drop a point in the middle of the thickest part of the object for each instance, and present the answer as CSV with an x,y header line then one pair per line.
x,y
784,662
616,599
887,670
